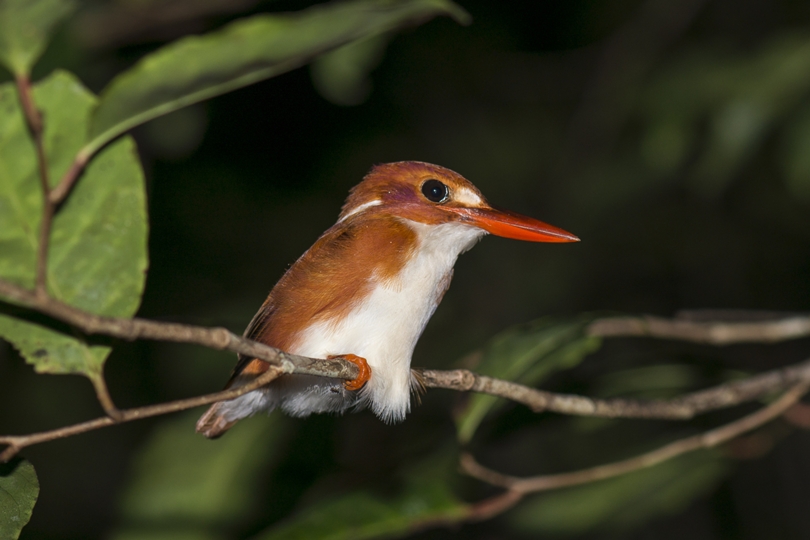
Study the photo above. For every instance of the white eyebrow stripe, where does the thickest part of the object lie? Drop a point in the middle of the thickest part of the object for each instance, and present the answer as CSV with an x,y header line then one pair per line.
x,y
360,208
467,197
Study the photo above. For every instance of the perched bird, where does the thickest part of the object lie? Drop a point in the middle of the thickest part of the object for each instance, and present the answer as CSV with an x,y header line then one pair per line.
x,y
365,291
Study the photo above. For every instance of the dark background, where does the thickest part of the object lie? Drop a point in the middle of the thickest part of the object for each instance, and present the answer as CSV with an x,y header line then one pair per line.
x,y
671,136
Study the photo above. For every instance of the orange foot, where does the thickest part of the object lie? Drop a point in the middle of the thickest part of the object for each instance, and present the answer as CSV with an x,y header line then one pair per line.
x,y
362,367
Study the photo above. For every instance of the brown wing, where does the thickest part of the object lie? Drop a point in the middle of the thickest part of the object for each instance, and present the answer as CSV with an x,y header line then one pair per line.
x,y
328,281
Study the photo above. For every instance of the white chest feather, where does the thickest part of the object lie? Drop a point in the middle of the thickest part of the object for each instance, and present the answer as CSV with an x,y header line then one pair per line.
x,y
385,327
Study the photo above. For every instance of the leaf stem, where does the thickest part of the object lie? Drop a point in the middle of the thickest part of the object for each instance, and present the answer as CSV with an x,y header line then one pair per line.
x,y
66,183
104,397
34,120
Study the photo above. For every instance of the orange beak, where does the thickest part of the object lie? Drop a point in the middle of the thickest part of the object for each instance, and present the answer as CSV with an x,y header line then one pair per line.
x,y
511,225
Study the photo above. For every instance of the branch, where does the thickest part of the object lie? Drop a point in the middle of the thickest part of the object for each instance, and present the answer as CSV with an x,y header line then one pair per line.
x,y
214,338
684,407
34,121
681,408
708,332
520,487
18,442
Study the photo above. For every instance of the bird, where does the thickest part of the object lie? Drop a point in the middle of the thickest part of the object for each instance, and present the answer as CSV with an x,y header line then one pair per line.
x,y
365,290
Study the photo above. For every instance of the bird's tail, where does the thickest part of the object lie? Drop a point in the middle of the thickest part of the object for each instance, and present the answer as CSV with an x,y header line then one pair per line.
x,y
222,415
213,423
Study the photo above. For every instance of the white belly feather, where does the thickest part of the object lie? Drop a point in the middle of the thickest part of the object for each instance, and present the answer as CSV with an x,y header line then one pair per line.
x,y
383,329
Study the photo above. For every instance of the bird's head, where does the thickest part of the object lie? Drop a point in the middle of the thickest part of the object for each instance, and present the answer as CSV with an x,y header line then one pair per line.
x,y
433,195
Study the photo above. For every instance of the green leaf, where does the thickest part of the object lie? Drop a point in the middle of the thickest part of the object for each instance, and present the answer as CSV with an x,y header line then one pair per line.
x,y
624,501
19,489
25,26
98,256
741,100
426,498
526,354
242,53
185,486
341,76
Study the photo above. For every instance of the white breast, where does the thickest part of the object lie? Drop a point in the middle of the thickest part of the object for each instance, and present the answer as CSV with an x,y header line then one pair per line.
x,y
385,327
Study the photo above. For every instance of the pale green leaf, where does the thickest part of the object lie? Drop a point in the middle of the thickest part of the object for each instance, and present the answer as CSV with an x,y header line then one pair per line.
x,y
244,52
19,489
98,253
526,354
25,26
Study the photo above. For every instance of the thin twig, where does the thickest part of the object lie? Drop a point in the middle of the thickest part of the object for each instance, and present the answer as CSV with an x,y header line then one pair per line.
x,y
34,121
684,407
18,442
708,439
215,338
708,332
680,408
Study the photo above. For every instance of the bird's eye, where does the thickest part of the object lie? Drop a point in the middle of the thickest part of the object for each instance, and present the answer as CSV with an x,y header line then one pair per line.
x,y
435,191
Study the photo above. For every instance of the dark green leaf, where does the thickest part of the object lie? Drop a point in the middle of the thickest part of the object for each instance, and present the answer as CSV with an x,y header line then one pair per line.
x,y
184,484
741,98
98,258
662,381
426,498
19,489
25,26
244,52
624,501
526,354
341,76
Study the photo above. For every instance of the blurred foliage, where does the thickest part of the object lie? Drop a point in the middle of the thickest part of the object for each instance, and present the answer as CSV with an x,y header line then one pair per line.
x,y
741,100
19,488
342,76
671,136
425,498
183,487
624,501
526,355
25,29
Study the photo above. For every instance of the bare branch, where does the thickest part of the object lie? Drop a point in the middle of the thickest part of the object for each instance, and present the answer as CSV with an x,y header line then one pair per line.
x,y
684,407
215,338
708,439
681,408
15,443
709,332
